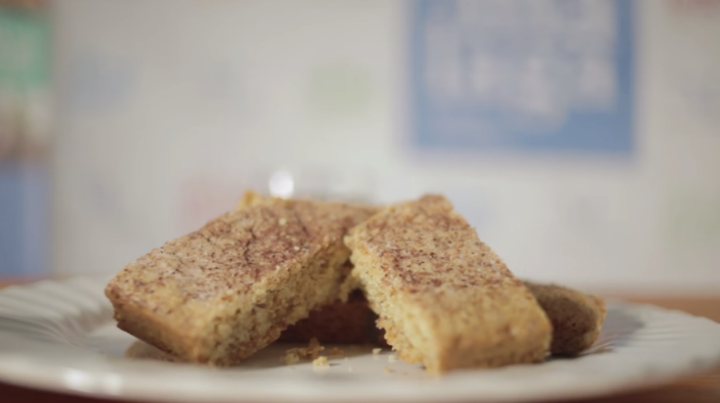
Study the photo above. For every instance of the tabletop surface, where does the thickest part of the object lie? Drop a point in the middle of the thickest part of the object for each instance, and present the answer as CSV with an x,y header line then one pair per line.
x,y
703,388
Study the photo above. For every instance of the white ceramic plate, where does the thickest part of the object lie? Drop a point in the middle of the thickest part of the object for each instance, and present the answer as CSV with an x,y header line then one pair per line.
x,y
61,336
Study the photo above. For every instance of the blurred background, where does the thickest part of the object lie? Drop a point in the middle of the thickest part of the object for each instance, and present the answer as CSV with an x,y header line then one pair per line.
x,y
581,138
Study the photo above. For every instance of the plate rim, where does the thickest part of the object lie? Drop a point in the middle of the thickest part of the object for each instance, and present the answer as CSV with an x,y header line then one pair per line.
x,y
136,392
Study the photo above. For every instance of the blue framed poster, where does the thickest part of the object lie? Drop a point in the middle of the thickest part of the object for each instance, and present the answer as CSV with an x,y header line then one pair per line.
x,y
542,75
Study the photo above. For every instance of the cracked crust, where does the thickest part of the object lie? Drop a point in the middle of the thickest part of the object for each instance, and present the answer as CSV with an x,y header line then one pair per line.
x,y
219,294
444,298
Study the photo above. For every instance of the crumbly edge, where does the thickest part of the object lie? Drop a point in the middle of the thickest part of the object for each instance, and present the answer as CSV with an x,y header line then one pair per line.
x,y
321,361
414,340
241,324
367,278
150,329
275,308
240,334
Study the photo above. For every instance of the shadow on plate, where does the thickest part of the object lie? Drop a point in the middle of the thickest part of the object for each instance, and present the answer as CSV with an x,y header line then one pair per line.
x,y
269,357
615,332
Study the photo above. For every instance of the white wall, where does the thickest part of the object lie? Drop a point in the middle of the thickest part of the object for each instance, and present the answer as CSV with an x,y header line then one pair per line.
x,y
168,109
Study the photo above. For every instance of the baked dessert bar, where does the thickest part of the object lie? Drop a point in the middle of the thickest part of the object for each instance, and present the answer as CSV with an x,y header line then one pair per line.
x,y
576,317
443,297
219,294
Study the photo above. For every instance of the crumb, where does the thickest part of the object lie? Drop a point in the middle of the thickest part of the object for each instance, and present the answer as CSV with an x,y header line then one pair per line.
x,y
314,348
311,351
321,361
376,351
347,359
388,370
392,358
282,221
335,351
296,248
290,358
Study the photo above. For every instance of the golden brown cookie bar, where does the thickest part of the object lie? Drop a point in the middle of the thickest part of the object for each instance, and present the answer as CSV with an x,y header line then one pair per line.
x,y
576,317
443,297
219,294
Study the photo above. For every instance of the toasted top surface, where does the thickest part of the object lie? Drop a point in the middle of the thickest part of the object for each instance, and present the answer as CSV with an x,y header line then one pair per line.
x,y
425,256
234,251
429,246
